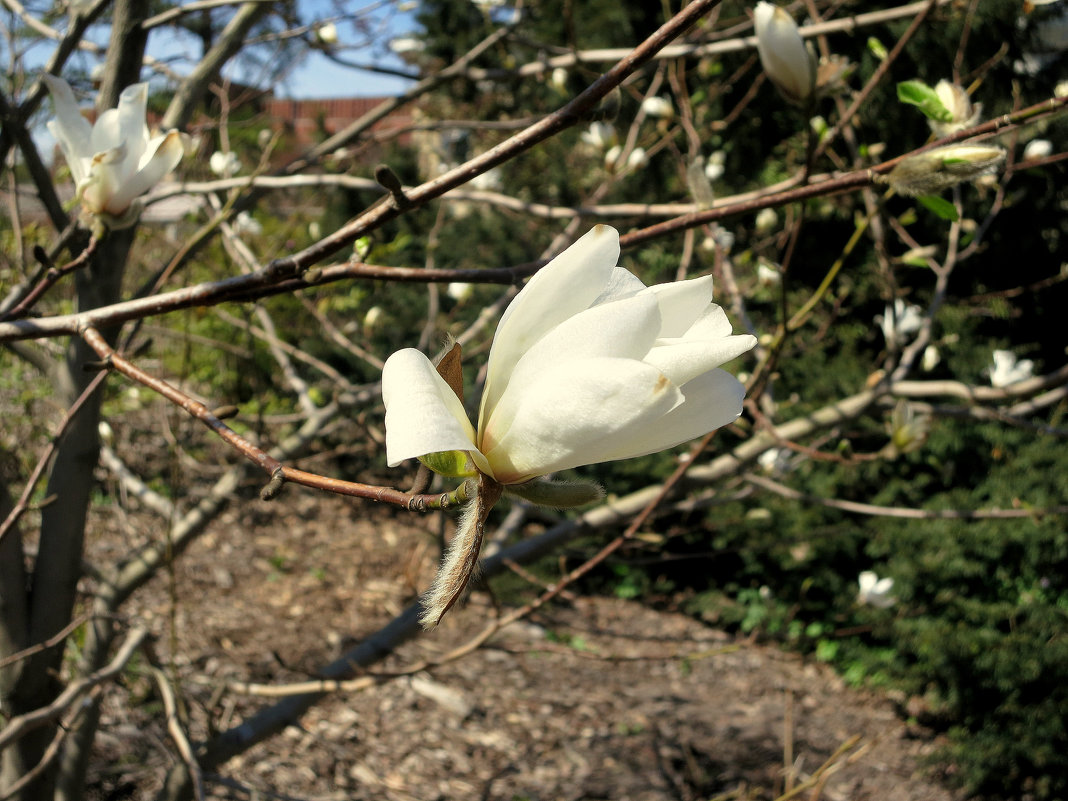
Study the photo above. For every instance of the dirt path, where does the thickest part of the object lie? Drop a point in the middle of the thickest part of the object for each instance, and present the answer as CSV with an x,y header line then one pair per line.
x,y
599,699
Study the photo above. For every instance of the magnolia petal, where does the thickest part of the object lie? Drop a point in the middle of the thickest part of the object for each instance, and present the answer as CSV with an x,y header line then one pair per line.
x,y
423,415
682,302
74,129
711,324
624,329
107,132
685,359
576,415
103,182
133,104
565,286
710,401
621,284
167,154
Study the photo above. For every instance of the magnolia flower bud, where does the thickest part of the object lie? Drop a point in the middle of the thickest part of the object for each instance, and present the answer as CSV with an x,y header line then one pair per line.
x,y
931,172
962,113
658,107
766,219
787,62
1037,149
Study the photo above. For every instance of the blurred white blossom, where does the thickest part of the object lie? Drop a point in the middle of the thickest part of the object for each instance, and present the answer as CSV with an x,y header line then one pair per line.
x,y
766,219
404,45
931,358
1038,149
600,135
659,107
114,161
459,290
224,163
247,225
714,167
768,275
327,34
637,159
1007,370
875,591
899,322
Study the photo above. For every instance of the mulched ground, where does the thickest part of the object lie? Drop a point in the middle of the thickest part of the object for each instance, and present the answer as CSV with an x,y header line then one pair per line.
x,y
593,699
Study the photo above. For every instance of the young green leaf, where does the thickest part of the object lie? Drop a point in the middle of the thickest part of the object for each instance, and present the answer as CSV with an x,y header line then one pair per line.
x,y
940,206
919,94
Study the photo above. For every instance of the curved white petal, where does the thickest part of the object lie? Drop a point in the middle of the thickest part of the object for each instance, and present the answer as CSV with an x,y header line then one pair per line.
x,y
103,182
685,359
133,103
576,415
74,129
107,132
565,286
621,284
423,415
168,152
710,401
681,303
623,329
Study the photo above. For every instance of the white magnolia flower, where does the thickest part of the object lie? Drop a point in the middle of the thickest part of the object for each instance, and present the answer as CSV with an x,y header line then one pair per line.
x,y
327,34
766,219
899,322
1038,149
588,365
768,275
315,230
459,290
558,79
612,155
875,591
600,135
1061,89
786,60
224,163
114,161
404,45
659,107
1006,370
246,224
964,113
774,460
487,181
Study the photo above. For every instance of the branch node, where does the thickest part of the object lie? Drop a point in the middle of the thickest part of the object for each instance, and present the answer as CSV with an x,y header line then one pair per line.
x,y
225,412
98,365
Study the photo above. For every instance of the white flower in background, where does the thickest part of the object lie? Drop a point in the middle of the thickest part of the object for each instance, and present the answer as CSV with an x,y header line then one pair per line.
x,y
315,231
766,219
768,275
600,135
224,163
899,322
247,225
114,161
1038,149
931,358
786,60
373,320
96,74
459,290
714,167
658,107
588,365
327,34
964,113
774,460
403,45
487,181
558,79
1006,370
637,159
1061,89
263,138
611,156
875,591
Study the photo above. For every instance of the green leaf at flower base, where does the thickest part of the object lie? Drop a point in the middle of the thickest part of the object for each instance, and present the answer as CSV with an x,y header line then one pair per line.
x,y
919,94
940,206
